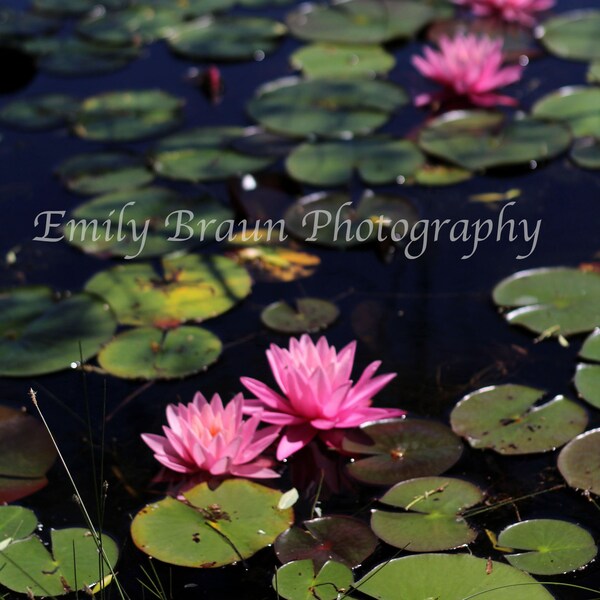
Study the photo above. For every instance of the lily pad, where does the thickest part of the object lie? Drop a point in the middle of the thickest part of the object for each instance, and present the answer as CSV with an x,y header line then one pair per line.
x,y
309,315
343,539
400,449
551,546
273,263
552,301
586,153
189,288
577,107
76,7
211,528
299,580
342,60
226,38
205,154
16,523
579,462
47,111
17,24
193,8
26,454
510,420
26,566
103,172
114,224
433,519
330,219
477,140
127,116
573,35
359,21
149,353
378,160
593,74
449,577
40,335
587,377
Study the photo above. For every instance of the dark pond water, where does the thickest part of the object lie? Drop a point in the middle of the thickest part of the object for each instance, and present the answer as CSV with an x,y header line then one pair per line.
x,y
430,319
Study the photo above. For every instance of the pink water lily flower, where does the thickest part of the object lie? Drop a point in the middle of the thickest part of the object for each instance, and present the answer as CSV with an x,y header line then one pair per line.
x,y
207,437
317,396
468,67
511,11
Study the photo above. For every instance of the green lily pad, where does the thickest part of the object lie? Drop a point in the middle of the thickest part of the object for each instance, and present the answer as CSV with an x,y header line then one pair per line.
x,y
226,38
579,462
359,21
127,116
434,175
577,107
342,60
27,566
449,577
343,539
510,420
76,7
16,523
40,335
331,220
551,301
205,154
573,35
26,454
593,74
190,288
262,3
552,547
15,24
113,224
477,140
378,160
103,172
400,449
325,107
309,315
47,111
212,527
433,519
299,580
587,376
586,153
149,353
193,8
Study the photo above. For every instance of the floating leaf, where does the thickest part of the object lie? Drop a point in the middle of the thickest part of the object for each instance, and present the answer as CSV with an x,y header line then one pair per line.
x,y
26,566
75,7
16,522
573,35
552,546
149,353
211,528
549,301
193,8
579,462
586,153
510,420
342,539
40,335
330,219
205,154
378,160
449,577
113,224
191,288
593,74
127,116
342,60
587,376
26,454
276,263
577,107
359,21
39,112
299,580
401,449
226,38
15,24
434,175
307,316
433,519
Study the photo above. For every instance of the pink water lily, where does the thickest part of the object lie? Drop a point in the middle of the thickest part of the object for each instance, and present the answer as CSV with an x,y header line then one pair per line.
x,y
512,11
468,67
317,396
208,437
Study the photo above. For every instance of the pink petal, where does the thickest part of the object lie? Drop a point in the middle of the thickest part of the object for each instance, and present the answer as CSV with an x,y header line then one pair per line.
x,y
294,438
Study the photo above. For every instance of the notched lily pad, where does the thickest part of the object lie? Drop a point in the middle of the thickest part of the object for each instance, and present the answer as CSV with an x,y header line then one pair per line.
x,y
579,462
309,315
299,580
510,420
47,111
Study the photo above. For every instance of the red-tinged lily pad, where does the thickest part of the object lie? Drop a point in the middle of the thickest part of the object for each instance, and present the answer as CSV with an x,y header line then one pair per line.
x,y
579,462
26,454
511,420
400,449
343,539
